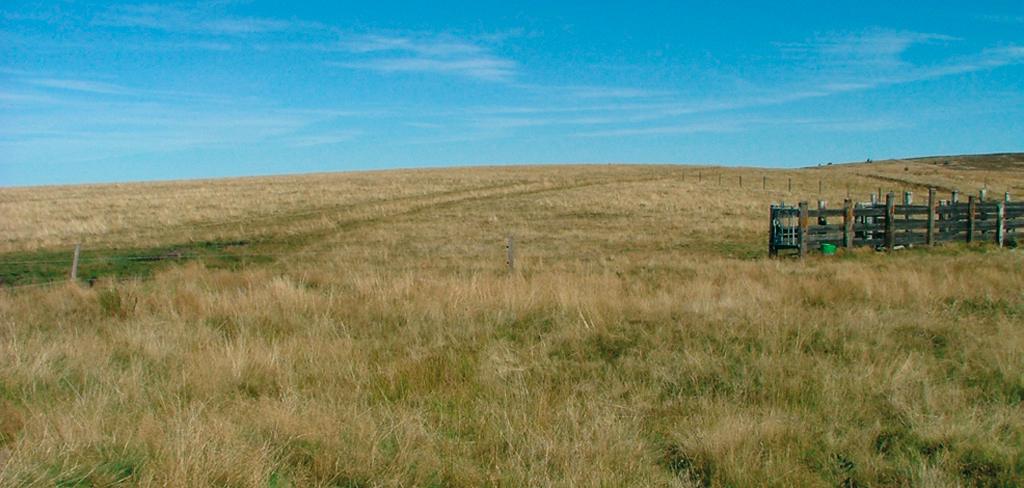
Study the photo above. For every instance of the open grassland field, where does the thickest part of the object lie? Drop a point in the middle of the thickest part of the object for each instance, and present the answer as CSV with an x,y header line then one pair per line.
x,y
363,329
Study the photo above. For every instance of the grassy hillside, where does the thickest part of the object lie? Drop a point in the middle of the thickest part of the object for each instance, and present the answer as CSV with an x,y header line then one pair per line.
x,y
363,330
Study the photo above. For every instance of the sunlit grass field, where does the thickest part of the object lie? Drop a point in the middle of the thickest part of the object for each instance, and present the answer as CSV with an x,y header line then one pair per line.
x,y
363,329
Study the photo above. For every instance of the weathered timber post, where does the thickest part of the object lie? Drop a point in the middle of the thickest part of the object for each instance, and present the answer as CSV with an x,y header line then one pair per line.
x,y
848,219
803,229
741,181
791,185
872,220
972,208
511,255
890,222
74,263
764,182
819,187
863,219
908,199
719,178
930,238
1000,223
700,176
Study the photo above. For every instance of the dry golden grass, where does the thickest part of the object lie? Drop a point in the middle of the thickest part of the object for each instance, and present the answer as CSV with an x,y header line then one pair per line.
x,y
645,341
147,214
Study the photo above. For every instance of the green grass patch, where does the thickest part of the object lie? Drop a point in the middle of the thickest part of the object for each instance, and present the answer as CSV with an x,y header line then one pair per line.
x,y
30,268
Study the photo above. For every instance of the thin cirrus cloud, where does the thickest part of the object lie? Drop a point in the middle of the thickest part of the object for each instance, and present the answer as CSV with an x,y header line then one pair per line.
x,y
480,68
95,87
1003,19
871,47
844,62
425,53
420,44
76,86
324,139
173,19
399,52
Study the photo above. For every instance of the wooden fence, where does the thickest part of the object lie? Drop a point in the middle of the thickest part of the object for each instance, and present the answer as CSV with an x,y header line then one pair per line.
x,y
889,226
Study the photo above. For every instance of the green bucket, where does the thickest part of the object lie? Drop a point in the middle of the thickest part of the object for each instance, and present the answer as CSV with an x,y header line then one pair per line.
x,y
828,248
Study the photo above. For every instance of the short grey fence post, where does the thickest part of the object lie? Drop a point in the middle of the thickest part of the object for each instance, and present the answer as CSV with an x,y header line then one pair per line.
x,y
74,263
511,255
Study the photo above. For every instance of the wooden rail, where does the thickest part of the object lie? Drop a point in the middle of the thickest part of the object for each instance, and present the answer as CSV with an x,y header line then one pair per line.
x,y
889,226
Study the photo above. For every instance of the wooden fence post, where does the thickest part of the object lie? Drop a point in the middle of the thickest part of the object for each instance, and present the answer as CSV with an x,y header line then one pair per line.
x,y
930,239
74,263
908,199
848,220
1000,223
890,222
511,255
791,185
764,182
822,220
972,208
741,181
803,229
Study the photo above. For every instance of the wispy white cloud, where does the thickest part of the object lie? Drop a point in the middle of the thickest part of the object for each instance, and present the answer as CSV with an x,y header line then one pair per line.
x,y
674,129
481,68
415,52
615,92
985,60
591,92
176,18
75,88
49,14
324,139
426,45
1003,19
15,97
874,50
88,86
844,62
70,123
721,124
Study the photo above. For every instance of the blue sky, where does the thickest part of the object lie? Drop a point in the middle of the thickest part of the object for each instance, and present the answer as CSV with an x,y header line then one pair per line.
x,y
99,92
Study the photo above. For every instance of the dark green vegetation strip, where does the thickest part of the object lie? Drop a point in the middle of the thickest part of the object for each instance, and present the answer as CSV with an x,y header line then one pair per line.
x,y
38,267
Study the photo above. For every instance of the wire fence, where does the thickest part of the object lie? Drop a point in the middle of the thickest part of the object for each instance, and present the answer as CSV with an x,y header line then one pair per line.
x,y
148,258
706,176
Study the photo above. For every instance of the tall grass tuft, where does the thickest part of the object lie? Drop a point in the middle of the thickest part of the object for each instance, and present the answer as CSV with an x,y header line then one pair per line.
x,y
643,341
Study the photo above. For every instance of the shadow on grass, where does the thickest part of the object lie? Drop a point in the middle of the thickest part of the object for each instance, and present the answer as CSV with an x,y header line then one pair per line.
x,y
31,268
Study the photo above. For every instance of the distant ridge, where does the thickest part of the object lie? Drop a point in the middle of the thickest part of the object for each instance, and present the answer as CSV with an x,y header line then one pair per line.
x,y
984,162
